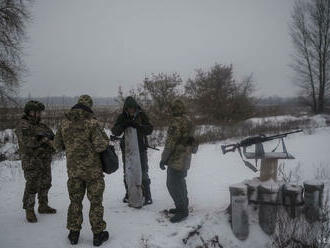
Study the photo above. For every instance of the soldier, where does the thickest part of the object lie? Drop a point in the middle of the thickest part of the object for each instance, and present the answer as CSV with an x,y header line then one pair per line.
x,y
82,138
35,149
177,156
134,116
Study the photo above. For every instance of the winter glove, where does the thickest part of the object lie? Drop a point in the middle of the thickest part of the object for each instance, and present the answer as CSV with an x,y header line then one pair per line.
x,y
162,165
131,124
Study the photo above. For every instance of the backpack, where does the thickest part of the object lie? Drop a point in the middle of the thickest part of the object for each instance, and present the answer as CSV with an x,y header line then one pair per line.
x,y
109,160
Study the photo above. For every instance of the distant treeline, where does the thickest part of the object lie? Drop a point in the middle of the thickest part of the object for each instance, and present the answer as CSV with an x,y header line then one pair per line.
x,y
66,101
277,100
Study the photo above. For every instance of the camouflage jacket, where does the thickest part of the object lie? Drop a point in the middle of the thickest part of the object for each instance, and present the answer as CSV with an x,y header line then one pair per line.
x,y
177,151
30,142
82,138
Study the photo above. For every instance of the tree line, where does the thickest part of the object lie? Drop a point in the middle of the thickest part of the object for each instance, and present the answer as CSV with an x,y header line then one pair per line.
x,y
212,95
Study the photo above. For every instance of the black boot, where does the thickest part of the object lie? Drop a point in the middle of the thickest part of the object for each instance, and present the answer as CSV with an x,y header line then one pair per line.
x,y
125,199
99,238
31,216
147,195
147,201
172,211
45,209
73,237
180,215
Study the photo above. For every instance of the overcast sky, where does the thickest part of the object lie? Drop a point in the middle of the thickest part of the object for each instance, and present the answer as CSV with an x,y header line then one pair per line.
x,y
95,46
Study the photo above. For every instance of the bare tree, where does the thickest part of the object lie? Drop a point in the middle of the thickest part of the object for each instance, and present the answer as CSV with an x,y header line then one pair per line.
x,y
160,90
138,94
310,33
13,17
217,96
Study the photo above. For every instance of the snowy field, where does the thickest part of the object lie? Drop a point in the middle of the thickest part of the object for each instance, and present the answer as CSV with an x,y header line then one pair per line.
x,y
208,179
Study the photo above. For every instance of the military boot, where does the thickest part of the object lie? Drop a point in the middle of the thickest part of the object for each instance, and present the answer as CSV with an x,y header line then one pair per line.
x,y
73,237
180,215
45,209
31,216
172,211
99,238
125,199
147,195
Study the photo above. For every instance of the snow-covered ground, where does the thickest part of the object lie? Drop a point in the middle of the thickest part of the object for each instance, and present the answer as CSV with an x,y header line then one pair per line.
x,y
8,144
208,179
314,121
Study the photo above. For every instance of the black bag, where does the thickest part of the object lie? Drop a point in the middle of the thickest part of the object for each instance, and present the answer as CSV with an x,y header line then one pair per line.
x,y
109,160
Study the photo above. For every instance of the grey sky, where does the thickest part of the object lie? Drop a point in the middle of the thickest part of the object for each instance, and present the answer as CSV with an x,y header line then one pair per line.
x,y
94,46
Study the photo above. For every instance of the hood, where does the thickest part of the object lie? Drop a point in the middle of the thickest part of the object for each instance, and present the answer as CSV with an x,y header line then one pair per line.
x,y
178,108
76,114
130,103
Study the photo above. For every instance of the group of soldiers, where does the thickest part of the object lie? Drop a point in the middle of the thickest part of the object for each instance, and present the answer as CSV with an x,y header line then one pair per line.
x,y
82,138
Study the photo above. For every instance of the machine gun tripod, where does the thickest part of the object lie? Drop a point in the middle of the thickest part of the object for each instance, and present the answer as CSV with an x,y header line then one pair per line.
x,y
259,153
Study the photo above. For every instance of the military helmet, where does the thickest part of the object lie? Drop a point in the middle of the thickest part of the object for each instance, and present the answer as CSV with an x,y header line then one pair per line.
x,y
33,106
86,100
178,107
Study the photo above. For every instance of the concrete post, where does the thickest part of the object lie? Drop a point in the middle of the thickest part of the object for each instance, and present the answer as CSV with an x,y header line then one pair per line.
x,y
239,214
268,200
252,189
293,199
268,169
313,200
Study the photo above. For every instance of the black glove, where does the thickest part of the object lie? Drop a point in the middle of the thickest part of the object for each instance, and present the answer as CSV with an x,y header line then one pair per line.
x,y
131,124
162,165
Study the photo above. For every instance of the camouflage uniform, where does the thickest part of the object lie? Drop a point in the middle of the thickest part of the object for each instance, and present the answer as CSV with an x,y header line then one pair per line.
x,y
144,128
36,155
177,155
81,136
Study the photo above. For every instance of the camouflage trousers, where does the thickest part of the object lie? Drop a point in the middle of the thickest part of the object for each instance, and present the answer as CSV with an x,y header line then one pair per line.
x,y
177,187
38,180
77,188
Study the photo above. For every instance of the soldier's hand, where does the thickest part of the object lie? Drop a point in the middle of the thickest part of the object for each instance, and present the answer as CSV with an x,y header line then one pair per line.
x,y
44,140
131,124
162,165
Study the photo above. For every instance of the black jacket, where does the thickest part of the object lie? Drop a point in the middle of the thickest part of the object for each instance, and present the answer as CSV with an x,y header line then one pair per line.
x,y
144,126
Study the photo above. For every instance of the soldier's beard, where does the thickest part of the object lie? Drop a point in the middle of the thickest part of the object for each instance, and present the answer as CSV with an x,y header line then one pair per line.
x,y
36,119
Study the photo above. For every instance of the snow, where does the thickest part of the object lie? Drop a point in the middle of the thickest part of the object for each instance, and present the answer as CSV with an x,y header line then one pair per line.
x,y
7,135
274,119
271,186
315,121
208,183
10,151
313,183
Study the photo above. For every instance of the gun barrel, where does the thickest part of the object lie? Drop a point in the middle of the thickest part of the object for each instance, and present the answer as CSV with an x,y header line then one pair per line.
x,y
255,140
114,138
48,135
153,148
282,135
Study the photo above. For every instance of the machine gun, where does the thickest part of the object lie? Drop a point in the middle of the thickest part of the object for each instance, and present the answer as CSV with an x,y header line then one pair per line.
x,y
45,134
116,138
259,149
